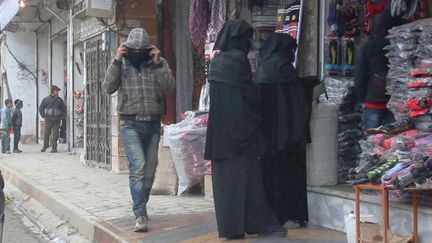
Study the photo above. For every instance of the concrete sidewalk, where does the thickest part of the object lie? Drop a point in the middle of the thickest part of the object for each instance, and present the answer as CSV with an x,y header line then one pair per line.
x,y
98,203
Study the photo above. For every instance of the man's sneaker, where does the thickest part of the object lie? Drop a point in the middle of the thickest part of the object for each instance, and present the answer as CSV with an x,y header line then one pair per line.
x,y
44,149
141,224
8,152
54,151
17,151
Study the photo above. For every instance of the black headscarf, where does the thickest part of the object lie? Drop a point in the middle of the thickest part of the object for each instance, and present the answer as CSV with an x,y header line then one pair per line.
x,y
231,65
277,55
231,33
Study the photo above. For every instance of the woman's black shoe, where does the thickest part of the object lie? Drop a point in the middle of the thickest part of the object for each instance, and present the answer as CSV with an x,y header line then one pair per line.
x,y
236,237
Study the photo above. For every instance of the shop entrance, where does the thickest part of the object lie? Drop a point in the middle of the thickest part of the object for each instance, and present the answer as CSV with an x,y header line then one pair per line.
x,y
98,106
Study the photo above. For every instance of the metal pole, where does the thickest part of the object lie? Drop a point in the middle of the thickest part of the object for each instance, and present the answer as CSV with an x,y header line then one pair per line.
x,y
37,87
322,31
50,72
71,79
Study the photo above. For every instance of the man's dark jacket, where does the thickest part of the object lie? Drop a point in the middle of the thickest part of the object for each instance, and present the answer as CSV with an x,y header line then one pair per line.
x,y
52,109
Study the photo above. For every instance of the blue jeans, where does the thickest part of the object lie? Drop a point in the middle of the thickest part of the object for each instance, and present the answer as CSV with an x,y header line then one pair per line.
x,y
373,118
141,141
5,143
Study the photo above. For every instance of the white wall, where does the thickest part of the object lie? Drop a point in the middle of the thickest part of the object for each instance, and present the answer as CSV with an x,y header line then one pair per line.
x,y
43,66
21,83
58,62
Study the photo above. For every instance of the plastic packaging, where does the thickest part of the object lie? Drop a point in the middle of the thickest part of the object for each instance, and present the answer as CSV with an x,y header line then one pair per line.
x,y
350,224
322,153
204,101
337,89
424,145
187,144
424,126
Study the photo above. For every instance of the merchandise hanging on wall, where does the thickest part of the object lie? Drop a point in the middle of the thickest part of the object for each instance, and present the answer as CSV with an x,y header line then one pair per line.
x,y
289,19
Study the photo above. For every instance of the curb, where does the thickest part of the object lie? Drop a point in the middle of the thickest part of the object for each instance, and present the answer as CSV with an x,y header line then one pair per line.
x,y
87,224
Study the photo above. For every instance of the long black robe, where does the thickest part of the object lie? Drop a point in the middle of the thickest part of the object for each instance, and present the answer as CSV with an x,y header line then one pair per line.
x,y
233,142
239,197
285,125
285,107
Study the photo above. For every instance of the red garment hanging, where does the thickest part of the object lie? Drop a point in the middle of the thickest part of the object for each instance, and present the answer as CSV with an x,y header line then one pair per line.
x,y
372,9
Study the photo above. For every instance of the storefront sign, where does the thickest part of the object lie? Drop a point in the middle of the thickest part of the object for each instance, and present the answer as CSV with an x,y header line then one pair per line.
x,y
100,8
8,10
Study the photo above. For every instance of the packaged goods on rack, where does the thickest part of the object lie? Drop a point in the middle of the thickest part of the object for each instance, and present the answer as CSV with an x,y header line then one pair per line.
x,y
337,89
187,143
409,140
340,93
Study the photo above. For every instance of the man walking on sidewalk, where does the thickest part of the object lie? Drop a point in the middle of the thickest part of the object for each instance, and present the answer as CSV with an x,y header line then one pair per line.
x,y
142,79
17,120
5,125
52,109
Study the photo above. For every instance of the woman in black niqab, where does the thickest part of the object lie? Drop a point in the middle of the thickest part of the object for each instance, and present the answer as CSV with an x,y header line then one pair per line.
x,y
285,107
233,138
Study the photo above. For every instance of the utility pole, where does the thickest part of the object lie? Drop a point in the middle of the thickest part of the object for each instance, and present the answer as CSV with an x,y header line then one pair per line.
x,y
70,80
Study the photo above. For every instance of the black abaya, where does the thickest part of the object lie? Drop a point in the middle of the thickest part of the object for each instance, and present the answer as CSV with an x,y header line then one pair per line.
x,y
232,145
285,107
239,197
284,176
232,142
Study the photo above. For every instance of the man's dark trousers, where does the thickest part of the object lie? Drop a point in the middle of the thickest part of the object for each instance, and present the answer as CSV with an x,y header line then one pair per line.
x,y
51,127
17,137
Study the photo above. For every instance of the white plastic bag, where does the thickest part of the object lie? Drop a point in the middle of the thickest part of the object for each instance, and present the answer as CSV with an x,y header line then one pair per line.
x,y
350,224
187,144
204,101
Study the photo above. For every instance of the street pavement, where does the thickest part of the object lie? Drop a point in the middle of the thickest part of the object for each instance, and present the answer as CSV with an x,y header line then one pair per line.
x,y
97,202
18,229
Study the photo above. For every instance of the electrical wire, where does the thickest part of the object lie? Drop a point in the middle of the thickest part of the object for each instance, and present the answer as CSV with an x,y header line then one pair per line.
x,y
20,64
106,25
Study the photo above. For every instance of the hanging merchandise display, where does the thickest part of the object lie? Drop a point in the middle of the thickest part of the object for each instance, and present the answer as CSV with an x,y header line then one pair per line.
x,y
198,22
344,20
204,15
288,18
420,13
332,57
404,8
351,18
339,56
256,3
264,15
372,8
334,18
292,19
206,19
347,59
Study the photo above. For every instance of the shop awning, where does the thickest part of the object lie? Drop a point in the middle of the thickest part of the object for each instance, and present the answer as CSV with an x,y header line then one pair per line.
x,y
8,10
